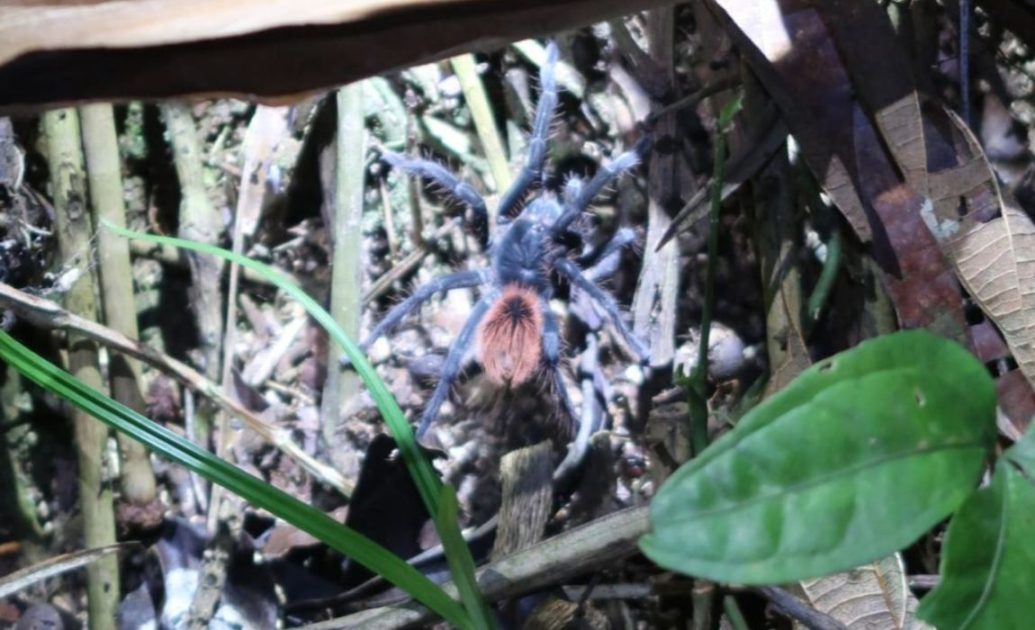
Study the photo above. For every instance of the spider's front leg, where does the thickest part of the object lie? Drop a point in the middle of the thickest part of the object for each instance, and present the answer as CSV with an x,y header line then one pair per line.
x,y
571,271
536,156
599,264
602,261
450,183
420,295
578,195
454,360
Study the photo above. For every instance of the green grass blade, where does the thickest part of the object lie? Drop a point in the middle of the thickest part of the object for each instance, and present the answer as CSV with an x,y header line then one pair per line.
x,y
166,443
461,563
420,468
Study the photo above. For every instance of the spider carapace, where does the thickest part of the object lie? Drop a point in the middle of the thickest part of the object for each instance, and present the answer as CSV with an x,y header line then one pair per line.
x,y
512,327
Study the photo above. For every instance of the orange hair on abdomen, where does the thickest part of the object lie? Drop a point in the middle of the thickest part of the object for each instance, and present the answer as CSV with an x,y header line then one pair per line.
x,y
510,336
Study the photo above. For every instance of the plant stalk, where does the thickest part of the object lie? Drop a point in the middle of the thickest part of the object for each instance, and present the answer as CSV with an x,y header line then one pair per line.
x,y
484,123
699,377
342,387
100,145
72,226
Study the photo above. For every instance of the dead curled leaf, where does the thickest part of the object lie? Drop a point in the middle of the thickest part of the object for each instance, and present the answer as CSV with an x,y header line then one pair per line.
x,y
914,180
994,257
874,596
59,51
795,55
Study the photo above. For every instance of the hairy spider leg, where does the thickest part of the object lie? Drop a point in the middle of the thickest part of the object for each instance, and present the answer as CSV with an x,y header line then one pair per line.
x,y
582,306
607,303
454,360
420,295
536,154
552,354
605,256
450,183
509,337
578,196
593,403
607,259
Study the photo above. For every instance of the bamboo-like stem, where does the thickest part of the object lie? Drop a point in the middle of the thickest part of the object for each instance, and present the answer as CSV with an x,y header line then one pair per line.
x,y
72,225
198,221
346,278
100,145
484,123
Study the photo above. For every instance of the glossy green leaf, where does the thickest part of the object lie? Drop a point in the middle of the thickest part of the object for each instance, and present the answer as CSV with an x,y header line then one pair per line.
x,y
853,460
988,561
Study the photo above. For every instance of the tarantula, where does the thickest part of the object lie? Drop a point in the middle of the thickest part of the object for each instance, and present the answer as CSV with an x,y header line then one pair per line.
x,y
511,324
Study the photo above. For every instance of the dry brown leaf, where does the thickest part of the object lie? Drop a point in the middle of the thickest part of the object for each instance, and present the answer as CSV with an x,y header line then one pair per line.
x,y
874,596
790,50
883,81
994,256
57,51
996,261
939,159
791,46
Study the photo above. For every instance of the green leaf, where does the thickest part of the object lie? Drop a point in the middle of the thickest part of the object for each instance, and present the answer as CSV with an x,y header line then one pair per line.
x,y
853,460
1023,453
988,561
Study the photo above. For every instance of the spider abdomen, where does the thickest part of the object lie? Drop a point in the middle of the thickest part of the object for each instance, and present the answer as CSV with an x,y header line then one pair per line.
x,y
510,336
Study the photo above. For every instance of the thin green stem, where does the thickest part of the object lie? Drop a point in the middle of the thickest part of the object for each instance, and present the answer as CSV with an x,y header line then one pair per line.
x,y
699,377
831,267
733,613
